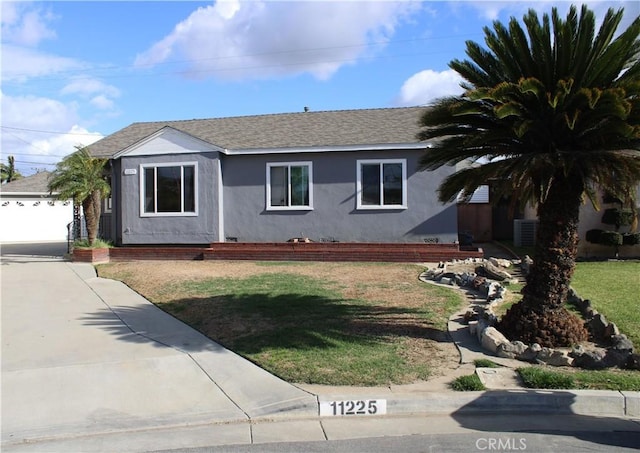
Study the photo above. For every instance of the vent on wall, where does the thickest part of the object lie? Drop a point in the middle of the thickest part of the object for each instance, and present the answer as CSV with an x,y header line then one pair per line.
x,y
524,232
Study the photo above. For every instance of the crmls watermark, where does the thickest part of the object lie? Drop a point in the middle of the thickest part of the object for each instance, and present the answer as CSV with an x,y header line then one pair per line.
x,y
501,444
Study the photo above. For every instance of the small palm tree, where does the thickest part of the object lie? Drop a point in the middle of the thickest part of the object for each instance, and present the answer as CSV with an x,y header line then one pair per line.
x,y
8,171
82,178
550,114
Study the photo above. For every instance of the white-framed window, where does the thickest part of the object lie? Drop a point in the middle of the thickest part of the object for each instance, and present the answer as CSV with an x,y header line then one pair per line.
x,y
381,184
169,189
289,186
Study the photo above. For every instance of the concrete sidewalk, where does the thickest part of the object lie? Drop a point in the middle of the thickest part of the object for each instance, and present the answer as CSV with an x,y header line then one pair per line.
x,y
89,365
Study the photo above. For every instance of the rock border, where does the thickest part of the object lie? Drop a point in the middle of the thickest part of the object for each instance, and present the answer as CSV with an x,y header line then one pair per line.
x,y
487,284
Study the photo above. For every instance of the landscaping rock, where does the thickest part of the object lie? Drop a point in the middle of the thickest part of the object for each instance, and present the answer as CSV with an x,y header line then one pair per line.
x,y
591,360
617,358
590,312
483,324
611,330
446,281
531,353
493,272
469,316
621,343
473,328
494,291
499,262
467,278
511,350
558,358
492,338
526,264
633,363
597,326
478,282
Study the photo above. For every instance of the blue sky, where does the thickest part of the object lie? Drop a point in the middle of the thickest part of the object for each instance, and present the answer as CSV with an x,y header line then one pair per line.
x,y
73,72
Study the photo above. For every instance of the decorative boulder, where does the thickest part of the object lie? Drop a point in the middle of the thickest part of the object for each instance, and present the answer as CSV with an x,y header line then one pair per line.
x,y
511,350
591,360
597,325
493,272
492,338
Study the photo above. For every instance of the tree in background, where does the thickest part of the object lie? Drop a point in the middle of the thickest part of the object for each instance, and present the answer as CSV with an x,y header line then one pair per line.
x,y
550,114
8,171
82,177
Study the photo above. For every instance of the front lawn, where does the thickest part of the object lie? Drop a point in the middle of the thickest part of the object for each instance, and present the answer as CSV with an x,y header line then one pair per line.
x,y
321,323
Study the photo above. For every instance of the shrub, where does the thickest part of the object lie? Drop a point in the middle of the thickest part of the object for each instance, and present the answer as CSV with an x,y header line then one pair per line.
x,y
611,238
631,239
97,244
617,217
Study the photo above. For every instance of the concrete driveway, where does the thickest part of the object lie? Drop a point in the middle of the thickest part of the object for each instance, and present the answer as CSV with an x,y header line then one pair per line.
x,y
85,356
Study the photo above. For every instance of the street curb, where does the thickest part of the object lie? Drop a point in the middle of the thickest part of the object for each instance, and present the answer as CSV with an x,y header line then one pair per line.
x,y
577,402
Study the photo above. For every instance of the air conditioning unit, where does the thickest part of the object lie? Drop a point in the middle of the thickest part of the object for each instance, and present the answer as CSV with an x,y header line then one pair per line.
x,y
524,232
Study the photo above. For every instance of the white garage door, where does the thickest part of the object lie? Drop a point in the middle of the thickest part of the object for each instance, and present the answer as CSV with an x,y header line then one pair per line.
x,y
31,220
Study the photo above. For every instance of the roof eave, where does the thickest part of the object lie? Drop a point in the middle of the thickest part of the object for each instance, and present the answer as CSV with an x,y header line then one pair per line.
x,y
332,148
42,194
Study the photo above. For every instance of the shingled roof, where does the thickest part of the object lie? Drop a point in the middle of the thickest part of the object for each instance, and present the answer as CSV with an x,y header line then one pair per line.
x,y
36,184
280,131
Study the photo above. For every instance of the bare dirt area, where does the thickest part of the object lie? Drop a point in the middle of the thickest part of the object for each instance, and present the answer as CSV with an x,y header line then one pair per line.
x,y
379,302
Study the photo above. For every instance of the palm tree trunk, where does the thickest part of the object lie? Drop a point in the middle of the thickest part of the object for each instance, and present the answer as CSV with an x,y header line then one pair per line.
x,y
92,208
556,246
541,317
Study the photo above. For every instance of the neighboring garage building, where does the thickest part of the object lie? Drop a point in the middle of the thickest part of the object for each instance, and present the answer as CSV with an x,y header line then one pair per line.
x,y
28,213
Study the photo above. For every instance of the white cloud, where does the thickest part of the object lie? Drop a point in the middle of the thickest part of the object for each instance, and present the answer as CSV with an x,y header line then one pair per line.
x,y
25,24
21,63
88,86
428,85
98,93
261,39
102,102
32,112
63,144
39,131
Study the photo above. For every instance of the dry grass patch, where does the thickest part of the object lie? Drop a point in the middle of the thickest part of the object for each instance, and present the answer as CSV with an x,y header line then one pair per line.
x,y
322,323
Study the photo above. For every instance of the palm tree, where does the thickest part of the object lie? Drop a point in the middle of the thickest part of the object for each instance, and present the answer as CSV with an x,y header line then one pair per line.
x,y
82,178
551,113
8,171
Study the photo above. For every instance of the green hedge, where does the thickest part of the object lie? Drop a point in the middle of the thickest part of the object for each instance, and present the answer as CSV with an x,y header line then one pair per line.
x,y
611,238
617,217
631,239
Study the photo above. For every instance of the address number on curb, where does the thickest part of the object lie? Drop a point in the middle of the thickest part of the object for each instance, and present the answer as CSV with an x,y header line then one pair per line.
x,y
353,407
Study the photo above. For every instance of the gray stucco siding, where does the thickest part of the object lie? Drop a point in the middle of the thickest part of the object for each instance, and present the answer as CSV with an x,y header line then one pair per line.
x,y
335,215
133,227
